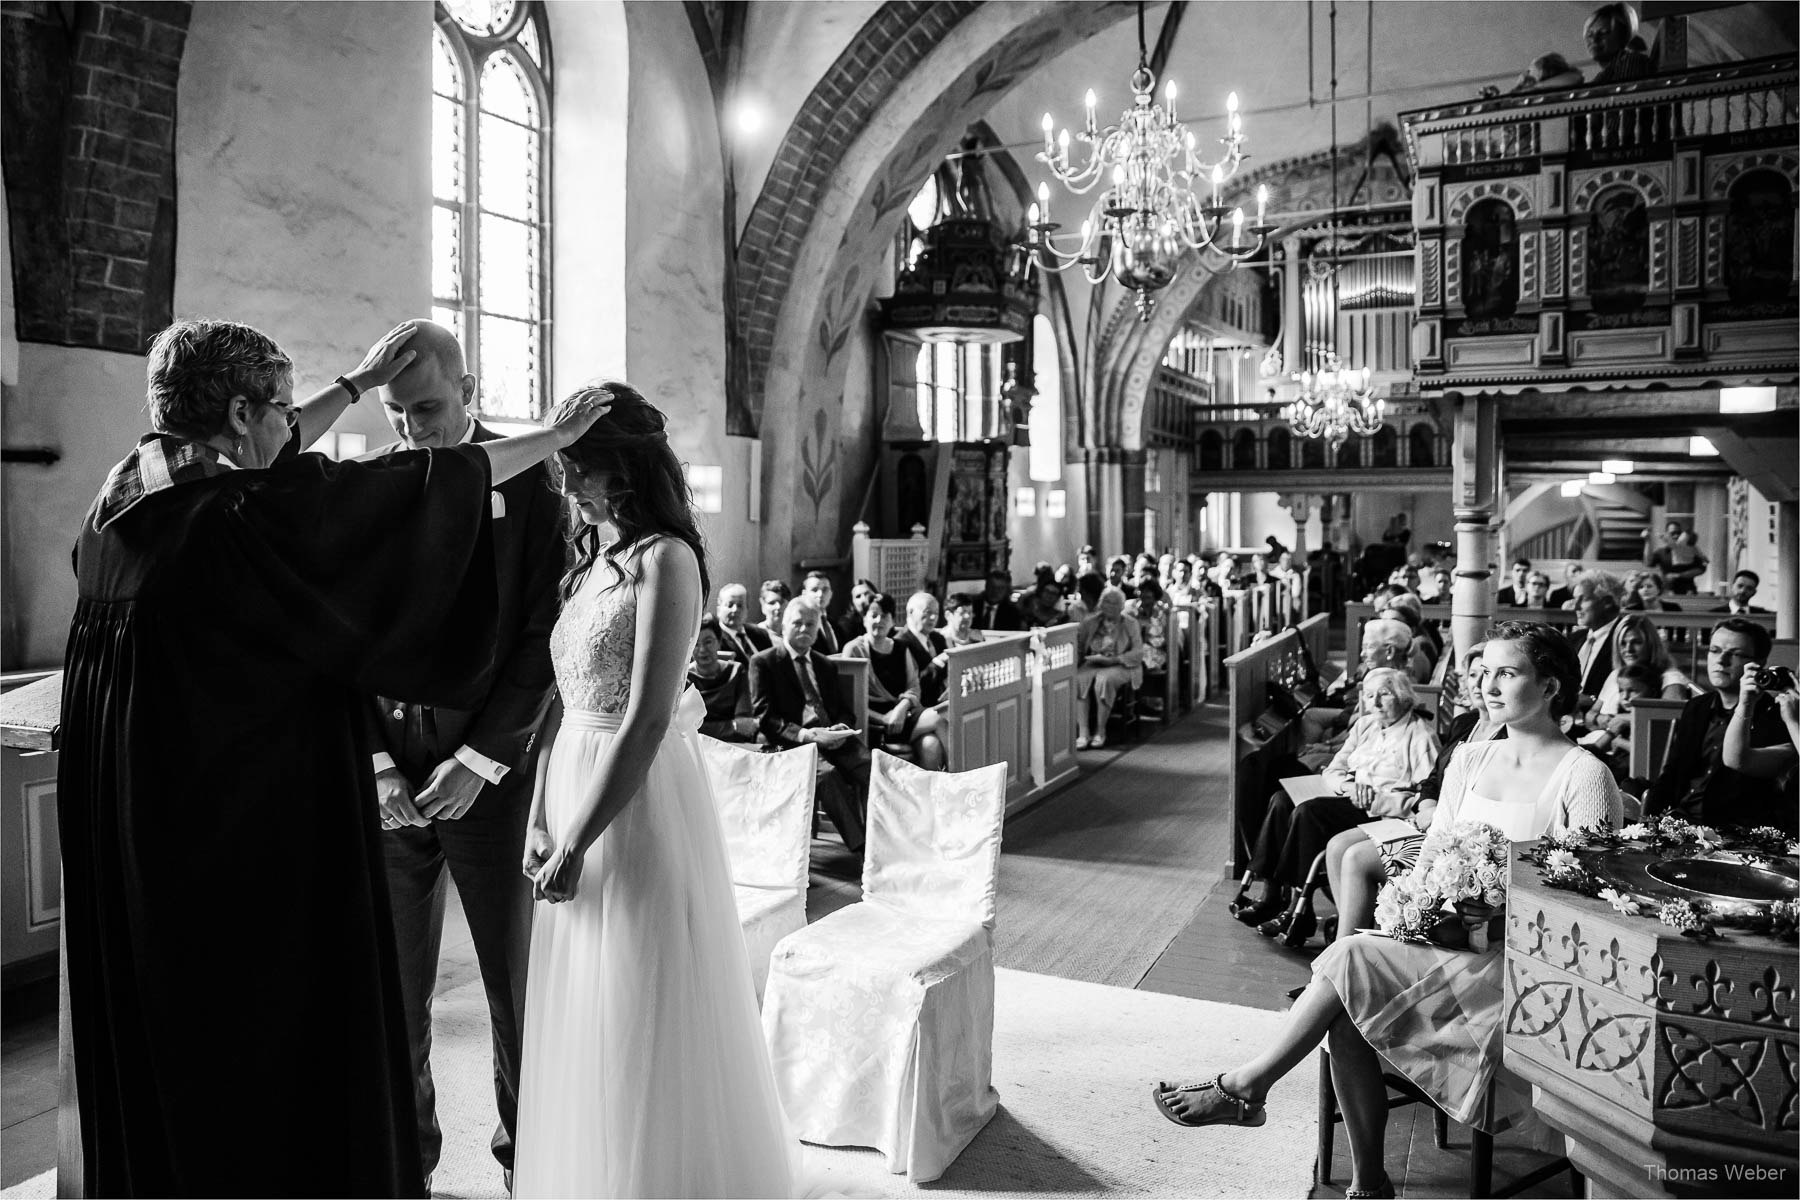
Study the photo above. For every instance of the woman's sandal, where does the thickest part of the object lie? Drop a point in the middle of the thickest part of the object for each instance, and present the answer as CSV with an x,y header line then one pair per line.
x,y
1384,1192
1221,1107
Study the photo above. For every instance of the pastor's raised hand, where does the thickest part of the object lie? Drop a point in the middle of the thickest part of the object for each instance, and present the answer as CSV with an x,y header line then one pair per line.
x,y
386,358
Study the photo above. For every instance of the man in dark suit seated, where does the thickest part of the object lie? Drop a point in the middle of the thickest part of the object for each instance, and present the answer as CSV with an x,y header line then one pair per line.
x,y
738,638
817,588
926,645
994,608
794,696
1743,590
1513,595
454,786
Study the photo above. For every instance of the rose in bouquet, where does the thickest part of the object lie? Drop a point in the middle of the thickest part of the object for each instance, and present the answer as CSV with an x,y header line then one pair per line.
x,y
1454,897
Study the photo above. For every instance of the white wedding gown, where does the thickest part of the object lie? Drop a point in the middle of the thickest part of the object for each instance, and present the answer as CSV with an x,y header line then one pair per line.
x,y
645,1072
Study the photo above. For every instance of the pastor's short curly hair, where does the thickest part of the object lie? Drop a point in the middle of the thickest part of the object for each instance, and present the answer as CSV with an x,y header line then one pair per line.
x,y
197,367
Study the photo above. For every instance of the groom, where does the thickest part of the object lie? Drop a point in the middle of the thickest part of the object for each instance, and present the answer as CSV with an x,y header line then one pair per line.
x,y
454,786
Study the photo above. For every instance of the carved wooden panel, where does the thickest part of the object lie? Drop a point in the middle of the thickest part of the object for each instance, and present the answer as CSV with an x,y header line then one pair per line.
x,y
1554,266
1552,932
1724,1082
1597,1037
1687,253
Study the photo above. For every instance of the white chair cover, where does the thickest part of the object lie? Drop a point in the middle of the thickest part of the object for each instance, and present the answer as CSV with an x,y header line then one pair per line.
x,y
765,805
880,1016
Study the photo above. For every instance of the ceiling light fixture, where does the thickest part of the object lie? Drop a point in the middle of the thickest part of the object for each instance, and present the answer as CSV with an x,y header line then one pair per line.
x,y
1572,488
1151,214
1699,447
1600,477
1746,399
1618,466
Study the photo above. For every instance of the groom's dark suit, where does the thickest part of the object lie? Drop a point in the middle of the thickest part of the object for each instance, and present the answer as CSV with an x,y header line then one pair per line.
x,y
484,848
778,698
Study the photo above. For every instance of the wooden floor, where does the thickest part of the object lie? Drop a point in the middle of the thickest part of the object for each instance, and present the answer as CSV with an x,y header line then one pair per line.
x,y
1214,958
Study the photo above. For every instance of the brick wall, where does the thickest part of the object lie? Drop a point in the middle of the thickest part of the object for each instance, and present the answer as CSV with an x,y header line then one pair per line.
x,y
884,51
89,108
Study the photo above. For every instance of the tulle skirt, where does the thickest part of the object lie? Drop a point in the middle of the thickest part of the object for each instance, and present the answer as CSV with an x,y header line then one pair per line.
x,y
645,1072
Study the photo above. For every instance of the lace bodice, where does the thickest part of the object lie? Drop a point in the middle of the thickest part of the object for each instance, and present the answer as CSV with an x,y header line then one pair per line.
x,y
592,644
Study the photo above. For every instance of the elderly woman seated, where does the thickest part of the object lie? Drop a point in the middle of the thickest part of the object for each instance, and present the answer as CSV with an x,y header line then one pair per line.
x,y
1109,651
724,686
897,712
1390,751
1386,642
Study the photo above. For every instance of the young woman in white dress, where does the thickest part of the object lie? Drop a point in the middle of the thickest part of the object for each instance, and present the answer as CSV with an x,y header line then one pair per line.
x,y
645,1072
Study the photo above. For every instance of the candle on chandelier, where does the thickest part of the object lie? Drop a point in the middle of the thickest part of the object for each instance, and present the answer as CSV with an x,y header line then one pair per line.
x,y
1092,100
1262,204
1049,131
1237,227
1216,180
1031,216
1042,207
1169,98
1233,119
1062,147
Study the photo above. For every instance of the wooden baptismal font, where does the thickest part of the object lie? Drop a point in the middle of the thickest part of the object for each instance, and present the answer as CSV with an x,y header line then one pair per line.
x,y
1668,1062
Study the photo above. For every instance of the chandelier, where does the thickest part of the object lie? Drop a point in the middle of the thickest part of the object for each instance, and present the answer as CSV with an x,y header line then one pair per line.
x,y
1150,215
1336,400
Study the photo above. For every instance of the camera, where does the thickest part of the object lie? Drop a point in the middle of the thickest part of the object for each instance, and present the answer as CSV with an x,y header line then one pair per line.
x,y
1774,679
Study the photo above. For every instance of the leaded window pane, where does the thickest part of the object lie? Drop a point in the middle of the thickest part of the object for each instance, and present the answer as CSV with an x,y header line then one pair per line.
x,y
509,367
446,149
446,68
509,267
509,168
446,254
528,42
483,18
506,92
449,318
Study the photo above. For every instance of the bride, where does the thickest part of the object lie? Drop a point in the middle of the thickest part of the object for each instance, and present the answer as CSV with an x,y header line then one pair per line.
x,y
644,1071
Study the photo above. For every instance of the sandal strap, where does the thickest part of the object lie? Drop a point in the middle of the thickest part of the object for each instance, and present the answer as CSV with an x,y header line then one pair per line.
x,y
1218,1081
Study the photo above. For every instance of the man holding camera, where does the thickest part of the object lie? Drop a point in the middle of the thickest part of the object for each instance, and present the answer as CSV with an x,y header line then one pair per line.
x,y
1729,752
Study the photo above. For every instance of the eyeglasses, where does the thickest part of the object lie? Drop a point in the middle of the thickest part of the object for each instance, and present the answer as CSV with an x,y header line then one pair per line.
x,y
289,413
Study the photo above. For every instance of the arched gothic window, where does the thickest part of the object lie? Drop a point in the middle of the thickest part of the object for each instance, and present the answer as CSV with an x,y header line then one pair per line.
x,y
1243,450
490,192
1385,447
1421,446
1280,449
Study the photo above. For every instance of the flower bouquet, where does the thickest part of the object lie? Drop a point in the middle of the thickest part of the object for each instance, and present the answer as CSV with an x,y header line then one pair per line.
x,y
1459,900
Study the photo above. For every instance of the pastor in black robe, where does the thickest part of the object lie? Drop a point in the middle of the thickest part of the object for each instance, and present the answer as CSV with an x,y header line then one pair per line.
x,y
233,992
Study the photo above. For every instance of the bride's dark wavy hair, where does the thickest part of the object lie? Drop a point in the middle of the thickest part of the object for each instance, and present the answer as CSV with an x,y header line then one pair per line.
x,y
649,495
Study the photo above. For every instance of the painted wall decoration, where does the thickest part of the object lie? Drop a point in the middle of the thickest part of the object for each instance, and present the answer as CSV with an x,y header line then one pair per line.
x,y
1618,250
1759,237
818,460
1490,260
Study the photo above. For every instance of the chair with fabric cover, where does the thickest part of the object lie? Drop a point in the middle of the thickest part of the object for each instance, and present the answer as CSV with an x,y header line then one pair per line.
x,y
765,805
880,1016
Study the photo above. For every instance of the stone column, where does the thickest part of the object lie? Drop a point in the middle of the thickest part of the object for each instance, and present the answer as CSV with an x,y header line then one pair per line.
x,y
1300,504
1293,336
1475,496
1131,501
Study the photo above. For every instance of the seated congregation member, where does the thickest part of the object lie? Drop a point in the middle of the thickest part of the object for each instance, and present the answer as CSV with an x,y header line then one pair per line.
x,y
1563,595
1596,613
1650,591
897,712
1109,656
237,601
1390,750
1679,559
1043,605
737,637
1087,594
1427,645
1695,783
1513,594
850,625
1609,731
724,686
1628,591
928,647
1151,611
1432,1014
794,697
1743,590
994,608
1636,643
1537,590
771,600
959,621
1443,579
1611,34
1386,642
1065,581
817,588
1118,574
1356,865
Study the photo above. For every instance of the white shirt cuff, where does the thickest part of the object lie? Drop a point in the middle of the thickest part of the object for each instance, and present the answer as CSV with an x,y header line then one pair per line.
x,y
382,761
480,763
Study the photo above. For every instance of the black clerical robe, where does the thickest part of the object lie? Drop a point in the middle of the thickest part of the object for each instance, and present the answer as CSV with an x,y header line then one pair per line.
x,y
232,981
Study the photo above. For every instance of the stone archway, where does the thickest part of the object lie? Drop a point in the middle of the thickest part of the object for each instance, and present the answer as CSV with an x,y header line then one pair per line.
x,y
882,158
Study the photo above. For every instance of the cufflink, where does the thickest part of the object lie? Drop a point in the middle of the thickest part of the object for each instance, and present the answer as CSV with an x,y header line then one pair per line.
x,y
399,713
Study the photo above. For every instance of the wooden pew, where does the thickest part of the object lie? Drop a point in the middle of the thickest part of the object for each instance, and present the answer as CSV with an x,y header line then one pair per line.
x,y
1651,721
1165,683
853,687
1259,735
1010,698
